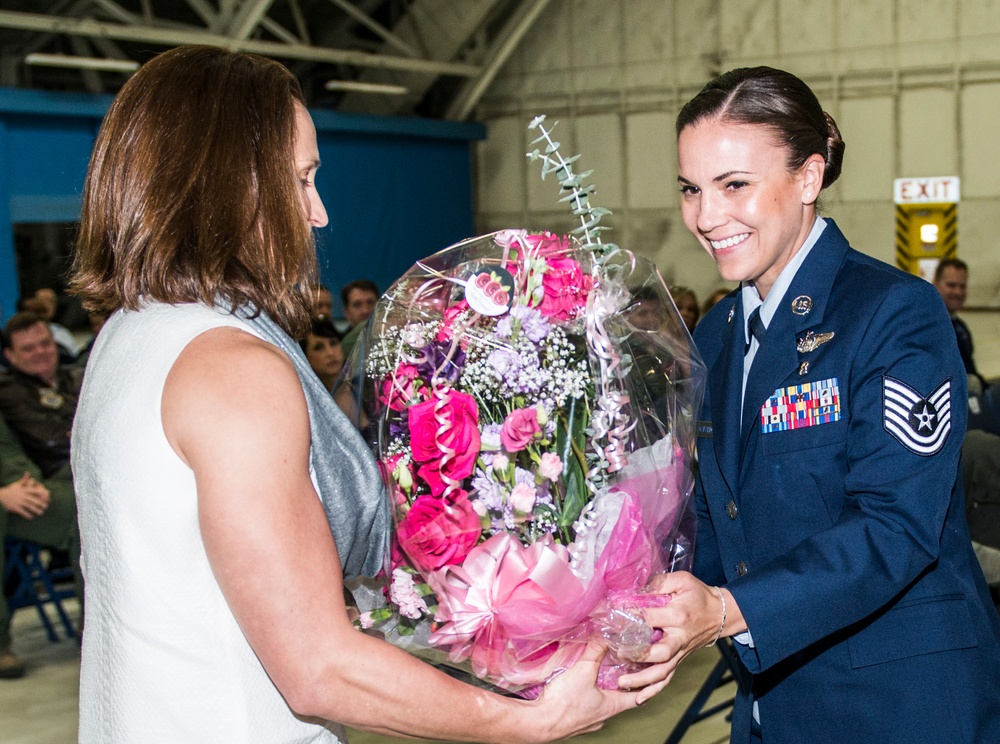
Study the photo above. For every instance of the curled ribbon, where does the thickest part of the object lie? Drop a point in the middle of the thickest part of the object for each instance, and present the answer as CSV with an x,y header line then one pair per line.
x,y
610,420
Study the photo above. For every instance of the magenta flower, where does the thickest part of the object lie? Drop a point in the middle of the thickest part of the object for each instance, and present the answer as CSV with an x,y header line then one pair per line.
x,y
519,428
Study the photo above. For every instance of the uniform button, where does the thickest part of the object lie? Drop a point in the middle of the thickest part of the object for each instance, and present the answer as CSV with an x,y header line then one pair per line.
x,y
741,568
732,510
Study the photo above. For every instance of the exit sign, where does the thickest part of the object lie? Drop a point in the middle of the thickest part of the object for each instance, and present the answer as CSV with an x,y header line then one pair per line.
x,y
939,190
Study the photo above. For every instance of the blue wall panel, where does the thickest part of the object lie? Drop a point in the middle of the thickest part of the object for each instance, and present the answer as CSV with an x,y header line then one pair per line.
x,y
46,164
396,189
391,201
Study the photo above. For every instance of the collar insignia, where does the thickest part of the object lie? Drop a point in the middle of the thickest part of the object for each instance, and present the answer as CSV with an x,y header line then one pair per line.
x,y
802,304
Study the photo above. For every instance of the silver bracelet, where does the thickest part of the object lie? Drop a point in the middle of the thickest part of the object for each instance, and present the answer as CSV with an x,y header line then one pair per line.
x,y
722,625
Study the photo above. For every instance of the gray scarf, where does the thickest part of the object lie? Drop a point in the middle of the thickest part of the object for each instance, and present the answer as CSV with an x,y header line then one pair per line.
x,y
350,486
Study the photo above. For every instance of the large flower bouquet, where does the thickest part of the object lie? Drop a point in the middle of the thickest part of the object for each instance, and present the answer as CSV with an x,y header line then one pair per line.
x,y
531,400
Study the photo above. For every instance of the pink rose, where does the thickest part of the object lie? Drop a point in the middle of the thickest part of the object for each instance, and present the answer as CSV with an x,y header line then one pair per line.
x,y
437,533
539,244
547,244
399,388
566,289
446,330
519,428
450,454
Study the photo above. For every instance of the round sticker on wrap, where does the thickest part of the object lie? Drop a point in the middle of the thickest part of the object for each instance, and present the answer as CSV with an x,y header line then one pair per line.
x,y
489,292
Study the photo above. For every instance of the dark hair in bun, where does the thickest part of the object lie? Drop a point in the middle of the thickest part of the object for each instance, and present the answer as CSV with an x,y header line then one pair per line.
x,y
777,100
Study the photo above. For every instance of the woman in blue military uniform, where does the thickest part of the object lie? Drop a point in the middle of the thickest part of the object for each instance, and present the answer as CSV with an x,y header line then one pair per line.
x,y
832,541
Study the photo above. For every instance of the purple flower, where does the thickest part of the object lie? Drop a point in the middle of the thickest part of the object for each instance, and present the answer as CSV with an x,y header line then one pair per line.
x,y
490,436
504,327
489,439
506,363
399,425
533,323
436,361
524,476
487,490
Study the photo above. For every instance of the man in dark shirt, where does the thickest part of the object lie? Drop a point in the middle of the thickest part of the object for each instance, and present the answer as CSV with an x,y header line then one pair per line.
x,y
951,278
38,396
37,403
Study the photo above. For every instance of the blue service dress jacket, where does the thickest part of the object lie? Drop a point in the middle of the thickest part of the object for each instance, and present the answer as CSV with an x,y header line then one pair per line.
x,y
832,509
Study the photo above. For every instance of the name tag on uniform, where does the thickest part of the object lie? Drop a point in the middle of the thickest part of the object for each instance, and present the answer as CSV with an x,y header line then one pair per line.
x,y
799,406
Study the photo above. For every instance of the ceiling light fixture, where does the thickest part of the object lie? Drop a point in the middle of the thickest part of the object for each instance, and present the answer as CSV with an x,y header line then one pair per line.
x,y
82,63
356,86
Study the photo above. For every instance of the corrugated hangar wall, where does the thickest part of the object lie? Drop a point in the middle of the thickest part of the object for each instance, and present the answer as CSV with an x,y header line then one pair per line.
x,y
913,84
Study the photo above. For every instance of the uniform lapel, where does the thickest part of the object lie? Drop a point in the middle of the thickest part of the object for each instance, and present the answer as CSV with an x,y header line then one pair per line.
x,y
777,359
725,383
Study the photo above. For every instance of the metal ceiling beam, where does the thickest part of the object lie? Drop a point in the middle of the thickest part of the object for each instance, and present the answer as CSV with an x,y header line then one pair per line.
x,y
91,79
280,31
248,18
375,27
300,21
115,11
204,11
174,37
504,45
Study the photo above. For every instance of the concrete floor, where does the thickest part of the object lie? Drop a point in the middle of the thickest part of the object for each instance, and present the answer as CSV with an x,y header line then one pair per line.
x,y
41,708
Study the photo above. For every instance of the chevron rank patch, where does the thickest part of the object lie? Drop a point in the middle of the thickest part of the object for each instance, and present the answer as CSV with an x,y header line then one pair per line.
x,y
921,424
798,406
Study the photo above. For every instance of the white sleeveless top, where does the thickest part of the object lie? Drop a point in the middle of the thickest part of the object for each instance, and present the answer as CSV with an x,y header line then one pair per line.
x,y
163,657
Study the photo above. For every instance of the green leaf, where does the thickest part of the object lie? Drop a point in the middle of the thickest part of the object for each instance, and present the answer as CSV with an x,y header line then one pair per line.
x,y
576,495
571,441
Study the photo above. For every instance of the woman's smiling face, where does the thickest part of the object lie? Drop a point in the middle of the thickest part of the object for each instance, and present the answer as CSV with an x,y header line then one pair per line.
x,y
738,197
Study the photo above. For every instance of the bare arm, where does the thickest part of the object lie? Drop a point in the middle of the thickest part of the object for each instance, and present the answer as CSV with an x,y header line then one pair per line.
x,y
233,410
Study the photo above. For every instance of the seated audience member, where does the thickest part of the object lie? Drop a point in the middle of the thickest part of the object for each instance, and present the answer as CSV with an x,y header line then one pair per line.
x,y
687,305
322,302
713,299
951,278
31,508
324,351
38,395
359,299
97,321
43,304
981,478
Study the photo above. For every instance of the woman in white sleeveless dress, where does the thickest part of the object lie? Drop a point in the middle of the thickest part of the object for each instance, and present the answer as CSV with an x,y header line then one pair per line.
x,y
215,609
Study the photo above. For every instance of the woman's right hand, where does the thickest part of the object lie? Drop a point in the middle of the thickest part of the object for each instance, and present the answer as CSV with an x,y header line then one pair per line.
x,y
572,704
26,497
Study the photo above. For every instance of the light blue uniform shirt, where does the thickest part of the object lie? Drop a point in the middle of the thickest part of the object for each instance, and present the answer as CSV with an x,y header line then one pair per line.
x,y
768,306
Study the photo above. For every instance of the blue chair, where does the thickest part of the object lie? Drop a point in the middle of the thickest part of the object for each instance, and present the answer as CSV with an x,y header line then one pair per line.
x,y
30,582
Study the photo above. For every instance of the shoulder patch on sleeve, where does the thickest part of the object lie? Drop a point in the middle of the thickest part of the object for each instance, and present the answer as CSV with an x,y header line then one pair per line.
x,y
919,423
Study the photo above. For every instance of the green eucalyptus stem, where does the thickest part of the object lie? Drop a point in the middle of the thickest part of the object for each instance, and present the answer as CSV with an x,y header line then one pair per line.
x,y
578,194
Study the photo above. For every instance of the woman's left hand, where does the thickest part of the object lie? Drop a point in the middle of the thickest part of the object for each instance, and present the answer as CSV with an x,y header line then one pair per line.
x,y
690,620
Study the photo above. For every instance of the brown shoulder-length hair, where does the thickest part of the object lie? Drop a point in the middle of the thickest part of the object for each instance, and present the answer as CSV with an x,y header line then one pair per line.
x,y
191,193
